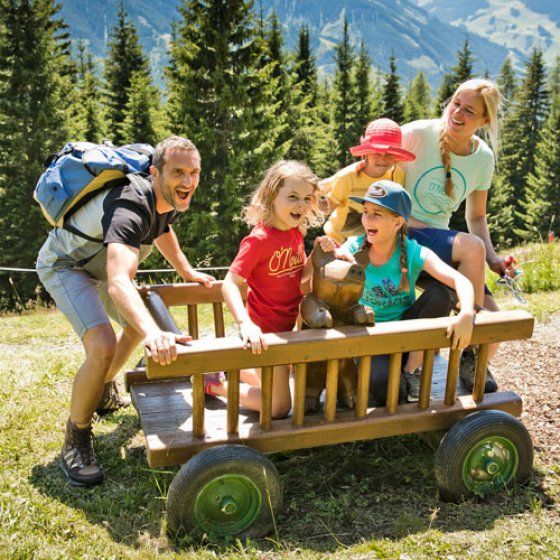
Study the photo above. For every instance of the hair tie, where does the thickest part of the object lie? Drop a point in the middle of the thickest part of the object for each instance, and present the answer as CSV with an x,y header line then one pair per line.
x,y
448,174
404,270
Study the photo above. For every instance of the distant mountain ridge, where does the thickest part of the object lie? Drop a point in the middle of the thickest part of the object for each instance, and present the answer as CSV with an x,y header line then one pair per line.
x,y
519,25
408,29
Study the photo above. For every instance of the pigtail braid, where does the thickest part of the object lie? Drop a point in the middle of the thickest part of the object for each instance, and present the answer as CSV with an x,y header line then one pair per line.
x,y
404,285
365,244
446,159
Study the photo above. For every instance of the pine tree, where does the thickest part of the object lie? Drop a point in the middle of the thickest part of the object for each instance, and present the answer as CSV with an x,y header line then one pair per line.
x,y
275,42
392,98
461,72
507,82
554,79
306,65
344,113
326,148
125,57
221,96
363,101
142,116
520,136
418,100
87,120
35,69
540,206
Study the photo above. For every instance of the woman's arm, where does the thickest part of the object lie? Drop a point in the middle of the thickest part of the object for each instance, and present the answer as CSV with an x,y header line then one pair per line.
x,y
475,215
250,333
460,330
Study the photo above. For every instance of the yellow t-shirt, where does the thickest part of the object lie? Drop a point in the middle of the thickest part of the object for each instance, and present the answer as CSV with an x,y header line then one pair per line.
x,y
345,221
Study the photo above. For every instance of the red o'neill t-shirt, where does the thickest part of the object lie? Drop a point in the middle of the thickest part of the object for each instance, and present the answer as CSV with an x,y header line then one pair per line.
x,y
271,261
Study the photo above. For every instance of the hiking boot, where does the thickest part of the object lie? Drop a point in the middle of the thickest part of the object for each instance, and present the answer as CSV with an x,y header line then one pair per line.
x,y
413,383
111,401
78,457
467,370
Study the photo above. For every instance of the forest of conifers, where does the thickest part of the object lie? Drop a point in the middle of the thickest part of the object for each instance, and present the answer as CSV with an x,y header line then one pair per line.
x,y
246,100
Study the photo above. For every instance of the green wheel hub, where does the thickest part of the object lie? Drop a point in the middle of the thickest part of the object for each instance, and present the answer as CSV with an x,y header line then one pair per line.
x,y
227,505
490,465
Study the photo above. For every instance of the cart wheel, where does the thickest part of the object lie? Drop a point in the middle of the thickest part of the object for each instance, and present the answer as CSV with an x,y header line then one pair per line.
x,y
229,490
482,454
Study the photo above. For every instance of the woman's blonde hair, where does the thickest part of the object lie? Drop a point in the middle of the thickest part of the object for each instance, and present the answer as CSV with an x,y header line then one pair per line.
x,y
260,209
492,105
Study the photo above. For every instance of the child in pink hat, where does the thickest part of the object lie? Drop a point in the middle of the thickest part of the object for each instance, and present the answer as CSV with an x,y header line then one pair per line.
x,y
380,150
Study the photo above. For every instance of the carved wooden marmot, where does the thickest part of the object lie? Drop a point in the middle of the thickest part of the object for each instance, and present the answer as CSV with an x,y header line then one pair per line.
x,y
334,301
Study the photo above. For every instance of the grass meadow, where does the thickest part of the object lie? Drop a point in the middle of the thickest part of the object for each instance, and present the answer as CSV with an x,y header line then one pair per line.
x,y
373,499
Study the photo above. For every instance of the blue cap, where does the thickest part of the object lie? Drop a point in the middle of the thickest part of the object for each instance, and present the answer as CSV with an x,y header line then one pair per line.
x,y
387,194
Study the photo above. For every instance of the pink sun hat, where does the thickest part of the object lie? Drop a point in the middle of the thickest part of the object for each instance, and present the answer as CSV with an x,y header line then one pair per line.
x,y
385,136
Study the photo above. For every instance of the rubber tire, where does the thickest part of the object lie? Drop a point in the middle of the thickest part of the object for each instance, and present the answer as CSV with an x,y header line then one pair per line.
x,y
248,475
468,441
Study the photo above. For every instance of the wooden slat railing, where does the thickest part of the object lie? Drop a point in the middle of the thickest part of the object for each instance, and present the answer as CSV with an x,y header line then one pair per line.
x,y
314,345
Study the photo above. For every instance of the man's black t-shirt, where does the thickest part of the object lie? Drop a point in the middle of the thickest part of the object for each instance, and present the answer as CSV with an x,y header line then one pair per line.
x,y
130,216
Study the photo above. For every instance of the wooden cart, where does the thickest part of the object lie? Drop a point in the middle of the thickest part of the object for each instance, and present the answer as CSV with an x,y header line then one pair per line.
x,y
227,487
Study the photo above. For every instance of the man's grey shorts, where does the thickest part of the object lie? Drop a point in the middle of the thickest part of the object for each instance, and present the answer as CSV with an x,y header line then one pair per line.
x,y
83,300
79,290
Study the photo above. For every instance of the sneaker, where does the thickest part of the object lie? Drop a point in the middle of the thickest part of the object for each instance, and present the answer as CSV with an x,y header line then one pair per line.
x,y
413,383
467,370
213,380
111,401
78,457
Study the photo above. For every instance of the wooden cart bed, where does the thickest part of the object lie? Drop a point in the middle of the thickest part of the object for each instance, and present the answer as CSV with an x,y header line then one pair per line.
x,y
178,420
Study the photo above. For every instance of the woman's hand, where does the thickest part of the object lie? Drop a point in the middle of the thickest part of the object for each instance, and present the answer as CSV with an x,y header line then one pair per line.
x,y
460,331
498,265
252,336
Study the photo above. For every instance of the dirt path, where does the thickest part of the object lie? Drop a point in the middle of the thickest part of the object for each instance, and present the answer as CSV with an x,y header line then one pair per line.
x,y
532,369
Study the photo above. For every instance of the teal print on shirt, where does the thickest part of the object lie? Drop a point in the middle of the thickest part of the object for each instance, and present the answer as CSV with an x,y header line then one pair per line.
x,y
429,191
386,295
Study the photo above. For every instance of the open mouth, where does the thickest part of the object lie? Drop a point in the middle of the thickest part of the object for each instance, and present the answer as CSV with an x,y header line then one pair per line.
x,y
183,194
371,232
295,216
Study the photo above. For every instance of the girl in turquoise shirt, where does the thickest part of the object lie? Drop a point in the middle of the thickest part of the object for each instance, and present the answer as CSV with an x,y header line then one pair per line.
x,y
392,264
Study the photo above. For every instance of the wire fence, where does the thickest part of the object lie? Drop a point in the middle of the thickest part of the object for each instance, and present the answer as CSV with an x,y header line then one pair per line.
x,y
150,271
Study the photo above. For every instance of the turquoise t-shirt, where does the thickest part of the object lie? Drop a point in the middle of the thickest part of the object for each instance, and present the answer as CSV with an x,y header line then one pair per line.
x,y
381,290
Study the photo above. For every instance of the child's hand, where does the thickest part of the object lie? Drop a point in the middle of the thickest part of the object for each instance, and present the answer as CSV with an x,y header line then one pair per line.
x,y
323,203
460,331
343,256
327,244
251,335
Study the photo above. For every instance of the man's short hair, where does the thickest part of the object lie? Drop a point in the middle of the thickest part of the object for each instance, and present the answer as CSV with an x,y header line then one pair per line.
x,y
170,143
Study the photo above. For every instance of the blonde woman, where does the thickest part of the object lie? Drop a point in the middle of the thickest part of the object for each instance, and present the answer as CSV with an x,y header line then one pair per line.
x,y
454,164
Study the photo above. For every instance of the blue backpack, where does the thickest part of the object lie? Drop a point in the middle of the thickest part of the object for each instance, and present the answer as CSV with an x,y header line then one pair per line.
x,y
80,170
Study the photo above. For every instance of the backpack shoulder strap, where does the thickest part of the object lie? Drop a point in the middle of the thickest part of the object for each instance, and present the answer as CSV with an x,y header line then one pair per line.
x,y
142,182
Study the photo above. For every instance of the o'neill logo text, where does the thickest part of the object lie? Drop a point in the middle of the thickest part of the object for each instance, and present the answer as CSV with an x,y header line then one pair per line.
x,y
284,261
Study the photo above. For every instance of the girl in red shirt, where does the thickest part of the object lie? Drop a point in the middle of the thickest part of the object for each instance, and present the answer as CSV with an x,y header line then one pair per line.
x,y
272,261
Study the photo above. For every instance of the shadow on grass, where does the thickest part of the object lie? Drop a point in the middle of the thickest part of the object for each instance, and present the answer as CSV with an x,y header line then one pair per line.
x,y
382,489
335,496
130,504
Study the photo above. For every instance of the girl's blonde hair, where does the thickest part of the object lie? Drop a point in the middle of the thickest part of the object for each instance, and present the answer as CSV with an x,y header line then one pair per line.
x,y
260,209
492,105
404,284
